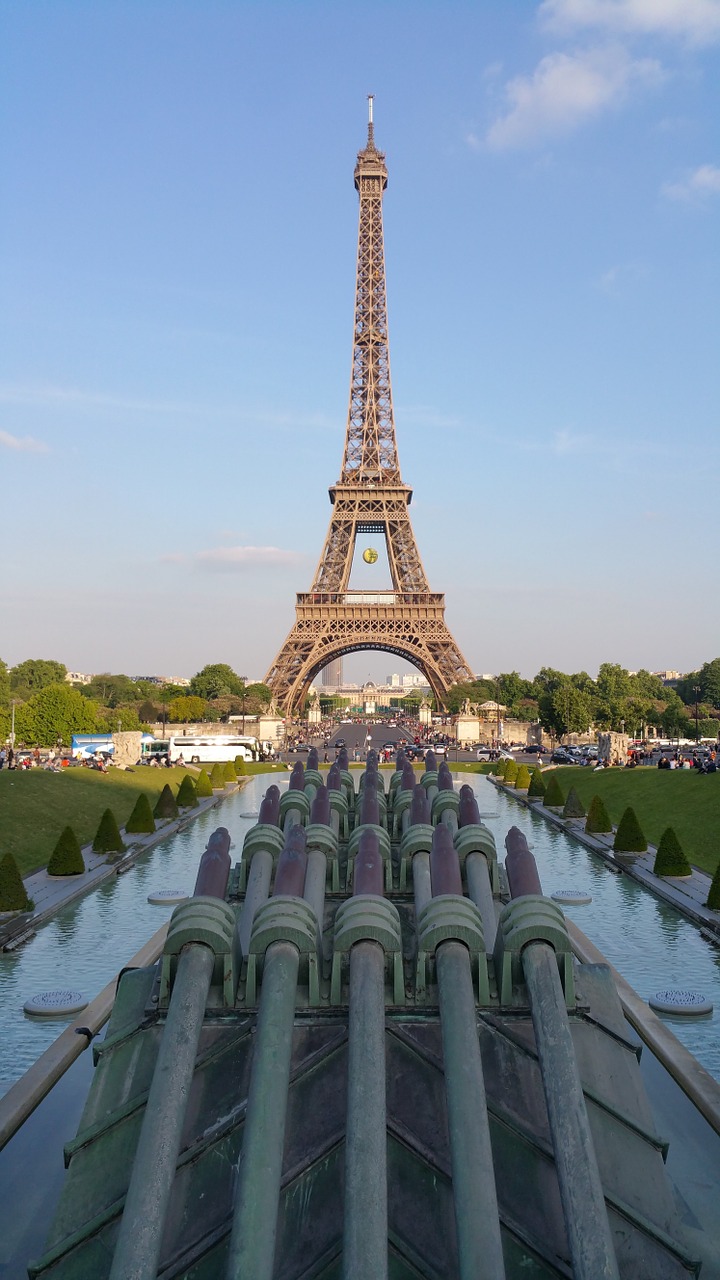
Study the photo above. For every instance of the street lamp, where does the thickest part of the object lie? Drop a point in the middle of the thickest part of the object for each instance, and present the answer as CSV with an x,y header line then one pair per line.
x,y
696,691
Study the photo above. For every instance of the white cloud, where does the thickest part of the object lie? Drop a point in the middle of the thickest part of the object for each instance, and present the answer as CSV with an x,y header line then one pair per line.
x,y
565,90
23,444
695,20
701,183
233,560
617,279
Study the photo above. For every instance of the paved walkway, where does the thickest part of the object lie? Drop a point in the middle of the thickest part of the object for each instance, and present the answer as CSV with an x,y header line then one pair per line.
x,y
50,893
688,895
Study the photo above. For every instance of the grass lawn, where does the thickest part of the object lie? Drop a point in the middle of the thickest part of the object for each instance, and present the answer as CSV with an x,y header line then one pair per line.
x,y
35,805
661,798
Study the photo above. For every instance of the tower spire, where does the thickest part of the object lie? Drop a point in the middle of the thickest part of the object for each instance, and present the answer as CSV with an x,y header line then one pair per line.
x,y
371,127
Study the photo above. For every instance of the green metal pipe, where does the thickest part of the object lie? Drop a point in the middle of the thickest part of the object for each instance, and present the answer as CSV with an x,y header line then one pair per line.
x,y
450,818
293,818
480,1253
365,1239
480,890
257,892
421,881
581,1191
314,891
251,1253
137,1250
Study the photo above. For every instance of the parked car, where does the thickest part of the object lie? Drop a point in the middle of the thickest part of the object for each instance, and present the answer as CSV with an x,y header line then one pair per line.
x,y
340,742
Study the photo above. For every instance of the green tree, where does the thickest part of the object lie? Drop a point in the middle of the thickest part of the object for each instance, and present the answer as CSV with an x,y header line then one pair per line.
x,y
34,674
126,717
112,690
670,859
216,680
554,798
12,890
4,684
629,837
713,898
166,804
512,689
217,777
598,819
57,711
522,779
66,858
203,785
141,821
510,773
187,795
537,785
107,837
573,807
185,710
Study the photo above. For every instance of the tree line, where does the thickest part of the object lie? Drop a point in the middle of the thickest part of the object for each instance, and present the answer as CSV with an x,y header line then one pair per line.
x,y
47,707
616,699
44,707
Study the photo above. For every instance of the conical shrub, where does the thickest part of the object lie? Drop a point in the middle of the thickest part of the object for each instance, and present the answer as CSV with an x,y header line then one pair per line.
x,y
108,838
229,772
554,798
670,859
141,821
511,773
574,807
166,805
203,785
713,898
67,859
598,819
522,780
537,786
629,837
187,795
217,778
239,765
12,890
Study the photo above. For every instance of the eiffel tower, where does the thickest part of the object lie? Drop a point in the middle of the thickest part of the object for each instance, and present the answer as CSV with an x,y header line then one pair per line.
x,y
369,498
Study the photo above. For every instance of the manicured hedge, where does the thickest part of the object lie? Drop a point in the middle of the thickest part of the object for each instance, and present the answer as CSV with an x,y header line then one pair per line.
x,y
598,819
67,859
166,804
141,821
187,795
229,771
629,837
203,785
574,807
713,898
537,785
522,781
12,890
217,777
670,859
554,798
108,838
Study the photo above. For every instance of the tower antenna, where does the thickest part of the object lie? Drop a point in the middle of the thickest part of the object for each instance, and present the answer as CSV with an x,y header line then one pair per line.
x,y
371,130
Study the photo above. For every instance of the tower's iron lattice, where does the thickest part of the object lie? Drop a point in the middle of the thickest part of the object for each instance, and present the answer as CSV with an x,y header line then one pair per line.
x,y
369,498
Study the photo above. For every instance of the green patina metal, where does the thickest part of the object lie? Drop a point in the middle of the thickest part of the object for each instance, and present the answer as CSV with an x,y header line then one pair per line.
x,y
455,986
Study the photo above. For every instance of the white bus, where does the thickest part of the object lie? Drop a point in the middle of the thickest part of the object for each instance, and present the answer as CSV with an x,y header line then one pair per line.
x,y
212,747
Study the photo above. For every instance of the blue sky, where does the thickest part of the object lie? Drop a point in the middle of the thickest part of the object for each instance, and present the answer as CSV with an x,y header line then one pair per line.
x,y
178,231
